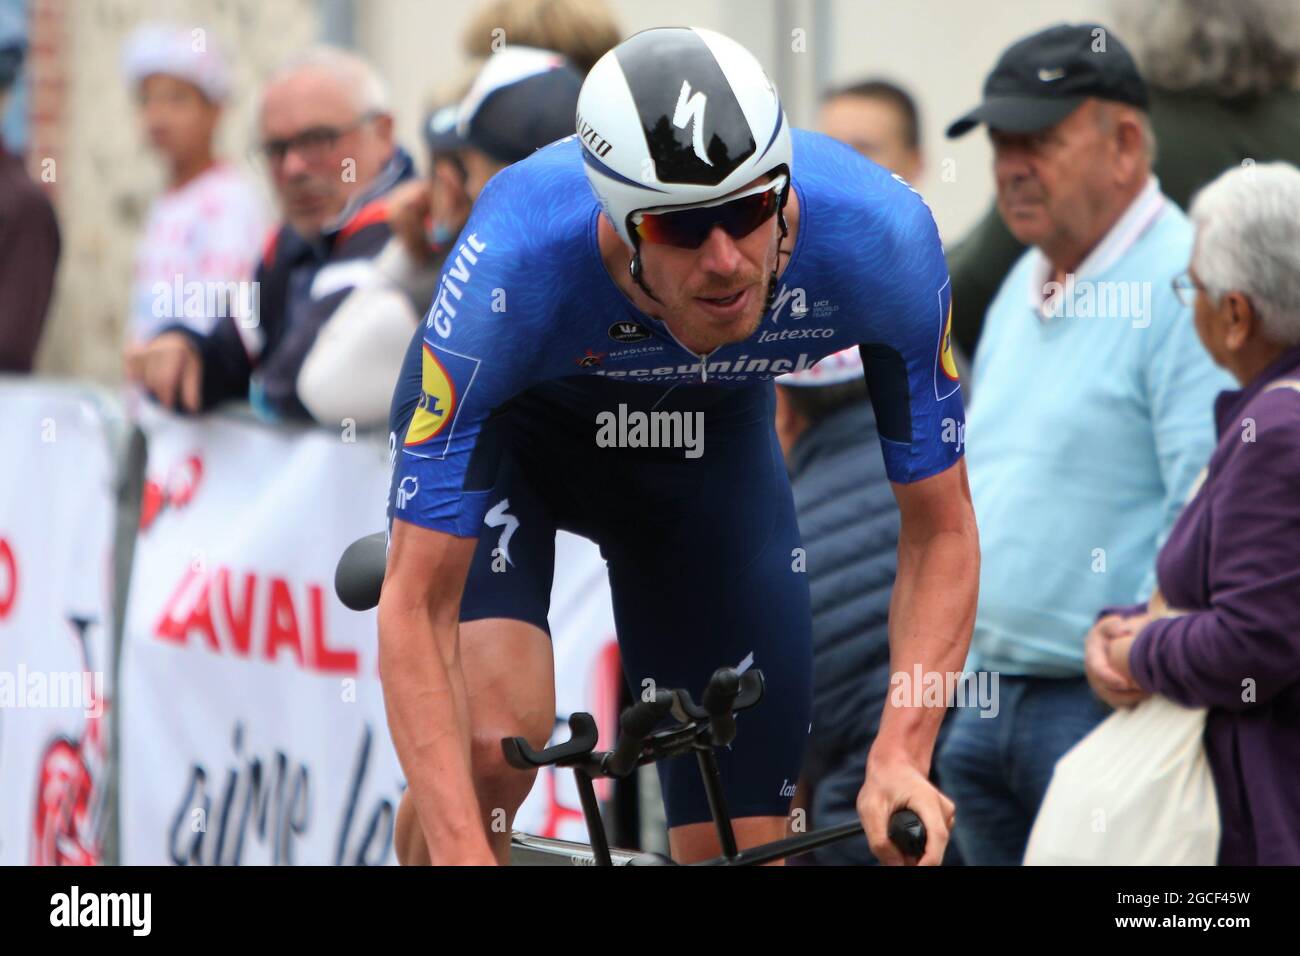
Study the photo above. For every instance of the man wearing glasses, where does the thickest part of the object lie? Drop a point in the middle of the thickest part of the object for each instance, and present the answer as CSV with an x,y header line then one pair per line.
x,y
602,364
521,100
327,143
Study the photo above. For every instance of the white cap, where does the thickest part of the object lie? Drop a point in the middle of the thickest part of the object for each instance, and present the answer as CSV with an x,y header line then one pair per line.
x,y
835,369
509,65
187,54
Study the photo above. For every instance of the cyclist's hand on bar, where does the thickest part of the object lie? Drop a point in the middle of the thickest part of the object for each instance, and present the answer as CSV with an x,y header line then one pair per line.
x,y
894,783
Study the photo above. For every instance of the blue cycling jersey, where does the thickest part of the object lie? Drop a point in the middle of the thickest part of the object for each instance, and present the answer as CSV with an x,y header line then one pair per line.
x,y
525,299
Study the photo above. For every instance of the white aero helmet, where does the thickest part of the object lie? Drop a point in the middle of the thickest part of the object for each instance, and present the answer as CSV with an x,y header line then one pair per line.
x,y
675,116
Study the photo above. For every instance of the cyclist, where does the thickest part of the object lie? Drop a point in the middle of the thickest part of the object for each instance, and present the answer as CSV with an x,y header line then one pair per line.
x,y
560,380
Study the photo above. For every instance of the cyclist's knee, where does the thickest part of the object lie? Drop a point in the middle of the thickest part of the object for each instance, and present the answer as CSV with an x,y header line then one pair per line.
x,y
500,787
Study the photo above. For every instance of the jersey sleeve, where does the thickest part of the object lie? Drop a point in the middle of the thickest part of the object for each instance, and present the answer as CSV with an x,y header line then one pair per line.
x,y
469,356
906,343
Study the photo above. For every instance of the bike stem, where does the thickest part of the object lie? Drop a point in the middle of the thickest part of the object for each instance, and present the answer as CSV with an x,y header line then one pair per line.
x,y
595,823
717,799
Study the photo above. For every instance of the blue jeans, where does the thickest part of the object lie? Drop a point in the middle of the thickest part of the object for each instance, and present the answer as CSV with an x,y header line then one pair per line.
x,y
996,769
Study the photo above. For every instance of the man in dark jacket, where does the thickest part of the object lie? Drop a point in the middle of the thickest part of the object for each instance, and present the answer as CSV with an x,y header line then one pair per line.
x,y
327,139
29,243
849,525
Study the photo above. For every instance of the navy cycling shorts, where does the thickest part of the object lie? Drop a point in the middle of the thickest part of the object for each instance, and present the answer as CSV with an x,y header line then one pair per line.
x,y
703,557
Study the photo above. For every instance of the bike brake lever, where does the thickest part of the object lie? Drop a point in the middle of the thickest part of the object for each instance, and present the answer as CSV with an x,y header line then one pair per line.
x,y
582,741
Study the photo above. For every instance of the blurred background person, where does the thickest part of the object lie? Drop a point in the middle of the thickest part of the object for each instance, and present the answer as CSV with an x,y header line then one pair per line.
x,y
208,225
351,370
29,235
879,119
521,100
1223,79
848,523
581,30
848,518
327,139
1222,632
1088,423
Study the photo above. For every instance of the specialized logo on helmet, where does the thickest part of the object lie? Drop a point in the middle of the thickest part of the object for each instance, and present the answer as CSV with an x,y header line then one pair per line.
x,y
695,128
691,108
445,378
593,140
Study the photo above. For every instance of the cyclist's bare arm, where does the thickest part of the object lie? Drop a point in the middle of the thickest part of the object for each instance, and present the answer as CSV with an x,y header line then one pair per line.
x,y
424,689
931,615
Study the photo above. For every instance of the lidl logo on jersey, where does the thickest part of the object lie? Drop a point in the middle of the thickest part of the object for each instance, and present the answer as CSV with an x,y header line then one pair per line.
x,y
945,363
445,380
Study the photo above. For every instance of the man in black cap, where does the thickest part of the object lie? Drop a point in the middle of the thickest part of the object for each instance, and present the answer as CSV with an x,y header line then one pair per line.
x,y
1087,426
1048,94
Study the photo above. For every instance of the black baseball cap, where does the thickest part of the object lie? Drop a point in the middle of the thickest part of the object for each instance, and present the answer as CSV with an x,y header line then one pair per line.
x,y
1043,78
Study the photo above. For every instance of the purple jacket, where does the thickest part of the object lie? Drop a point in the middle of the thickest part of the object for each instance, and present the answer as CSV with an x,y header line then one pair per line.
x,y
1233,560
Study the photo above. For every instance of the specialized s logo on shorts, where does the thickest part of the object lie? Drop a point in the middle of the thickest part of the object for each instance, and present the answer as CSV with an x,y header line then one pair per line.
x,y
445,380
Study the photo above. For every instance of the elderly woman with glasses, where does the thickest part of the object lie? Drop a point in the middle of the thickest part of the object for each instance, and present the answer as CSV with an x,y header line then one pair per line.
x,y
1223,629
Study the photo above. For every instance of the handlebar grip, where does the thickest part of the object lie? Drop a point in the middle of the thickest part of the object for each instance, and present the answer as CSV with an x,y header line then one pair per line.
x,y
721,692
635,725
719,698
582,740
907,832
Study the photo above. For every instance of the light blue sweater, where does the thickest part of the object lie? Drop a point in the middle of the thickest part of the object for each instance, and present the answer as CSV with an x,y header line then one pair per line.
x,y
1085,433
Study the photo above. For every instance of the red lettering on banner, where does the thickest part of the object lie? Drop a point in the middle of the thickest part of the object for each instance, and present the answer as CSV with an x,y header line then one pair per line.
x,y
8,579
241,622
282,622
192,606
188,611
326,658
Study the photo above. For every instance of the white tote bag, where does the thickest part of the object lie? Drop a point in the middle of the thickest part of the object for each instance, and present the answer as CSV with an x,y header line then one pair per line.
x,y
1136,791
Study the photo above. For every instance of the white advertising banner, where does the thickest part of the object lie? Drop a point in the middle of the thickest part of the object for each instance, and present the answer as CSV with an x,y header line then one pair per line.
x,y
56,525
587,677
253,721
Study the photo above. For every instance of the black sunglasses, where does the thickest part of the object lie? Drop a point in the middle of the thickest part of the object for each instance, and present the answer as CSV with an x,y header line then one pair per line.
x,y
687,227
